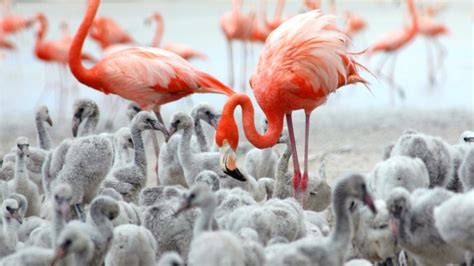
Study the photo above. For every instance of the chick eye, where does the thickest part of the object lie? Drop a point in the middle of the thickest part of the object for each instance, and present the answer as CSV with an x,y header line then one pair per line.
x,y
9,209
148,120
363,187
178,121
68,242
192,196
208,113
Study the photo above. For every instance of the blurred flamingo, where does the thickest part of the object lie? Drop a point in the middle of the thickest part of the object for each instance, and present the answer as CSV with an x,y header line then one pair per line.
x,y
354,24
302,62
148,76
180,49
432,30
278,17
236,26
393,43
55,51
12,24
6,44
312,4
107,32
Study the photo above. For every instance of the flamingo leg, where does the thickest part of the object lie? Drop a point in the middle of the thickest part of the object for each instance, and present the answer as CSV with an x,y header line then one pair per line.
x,y
156,146
230,57
441,54
304,180
430,64
244,66
381,64
294,155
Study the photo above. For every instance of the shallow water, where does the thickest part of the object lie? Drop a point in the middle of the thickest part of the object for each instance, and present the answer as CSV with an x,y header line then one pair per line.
x,y
23,77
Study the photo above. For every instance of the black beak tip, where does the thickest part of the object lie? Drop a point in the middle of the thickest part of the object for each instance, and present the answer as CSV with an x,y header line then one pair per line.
x,y
236,174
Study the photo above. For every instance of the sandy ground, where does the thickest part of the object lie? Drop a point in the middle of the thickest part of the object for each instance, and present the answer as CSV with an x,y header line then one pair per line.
x,y
352,140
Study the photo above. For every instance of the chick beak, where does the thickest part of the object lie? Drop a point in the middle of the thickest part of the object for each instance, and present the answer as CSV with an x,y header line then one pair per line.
x,y
59,253
49,121
394,225
17,217
184,206
160,127
172,131
469,139
369,202
76,121
215,121
65,209
229,163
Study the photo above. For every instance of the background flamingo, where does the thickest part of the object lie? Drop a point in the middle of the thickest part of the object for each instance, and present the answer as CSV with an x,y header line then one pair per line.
x,y
12,24
55,51
433,30
180,49
150,77
393,43
236,26
354,24
107,32
303,61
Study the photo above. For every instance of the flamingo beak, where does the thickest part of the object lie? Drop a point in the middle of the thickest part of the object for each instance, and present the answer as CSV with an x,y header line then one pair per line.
x,y
160,127
394,225
369,202
228,161
49,121
17,217
65,209
215,121
59,253
185,205
76,121
469,139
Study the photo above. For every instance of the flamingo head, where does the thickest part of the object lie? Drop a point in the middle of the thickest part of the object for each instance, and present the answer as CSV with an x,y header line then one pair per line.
x,y
156,16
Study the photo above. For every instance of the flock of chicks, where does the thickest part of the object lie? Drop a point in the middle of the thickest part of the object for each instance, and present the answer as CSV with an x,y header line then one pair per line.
x,y
86,201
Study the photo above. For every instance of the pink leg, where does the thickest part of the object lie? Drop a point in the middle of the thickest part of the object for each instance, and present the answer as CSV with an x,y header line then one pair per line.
x,y
244,67
230,57
304,180
294,155
430,65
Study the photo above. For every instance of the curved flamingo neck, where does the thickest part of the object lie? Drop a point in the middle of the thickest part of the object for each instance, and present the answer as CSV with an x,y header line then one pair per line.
x,y
279,9
160,27
227,124
83,74
43,28
236,5
413,15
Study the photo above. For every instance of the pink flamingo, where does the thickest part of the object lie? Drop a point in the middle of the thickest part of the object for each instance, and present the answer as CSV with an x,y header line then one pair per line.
x,y
302,62
12,24
55,51
107,32
150,77
354,24
393,43
432,30
236,26
180,49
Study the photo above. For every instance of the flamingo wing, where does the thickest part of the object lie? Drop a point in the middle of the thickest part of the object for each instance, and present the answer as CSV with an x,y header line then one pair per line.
x,y
151,76
311,51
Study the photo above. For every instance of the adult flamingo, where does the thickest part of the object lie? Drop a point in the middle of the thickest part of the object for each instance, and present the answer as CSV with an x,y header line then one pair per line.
x,y
55,51
278,17
180,49
354,24
6,44
148,76
12,24
302,62
236,26
394,42
432,30
107,32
